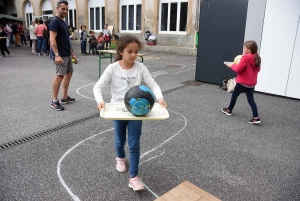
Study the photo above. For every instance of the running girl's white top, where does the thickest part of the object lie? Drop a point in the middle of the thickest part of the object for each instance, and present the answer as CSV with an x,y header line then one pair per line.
x,y
122,80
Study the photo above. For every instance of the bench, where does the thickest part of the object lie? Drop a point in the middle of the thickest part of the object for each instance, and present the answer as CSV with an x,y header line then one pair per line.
x,y
186,191
111,52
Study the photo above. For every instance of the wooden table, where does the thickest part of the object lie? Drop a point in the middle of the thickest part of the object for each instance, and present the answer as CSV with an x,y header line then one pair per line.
x,y
111,52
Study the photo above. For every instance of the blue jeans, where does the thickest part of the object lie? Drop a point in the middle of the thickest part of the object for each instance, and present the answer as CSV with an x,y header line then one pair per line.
x,y
134,134
238,89
42,44
83,47
93,48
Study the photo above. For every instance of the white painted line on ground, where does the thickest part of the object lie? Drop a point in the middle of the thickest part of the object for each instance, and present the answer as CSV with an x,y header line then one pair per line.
x,y
74,197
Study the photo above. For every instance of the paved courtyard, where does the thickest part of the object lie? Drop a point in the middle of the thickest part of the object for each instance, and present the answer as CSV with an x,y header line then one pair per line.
x,y
69,155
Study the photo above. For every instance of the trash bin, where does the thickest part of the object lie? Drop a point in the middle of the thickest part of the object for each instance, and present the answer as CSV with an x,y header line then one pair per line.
x,y
197,38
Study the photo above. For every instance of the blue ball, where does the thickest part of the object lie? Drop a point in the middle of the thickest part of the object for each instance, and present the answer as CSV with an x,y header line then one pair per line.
x,y
139,100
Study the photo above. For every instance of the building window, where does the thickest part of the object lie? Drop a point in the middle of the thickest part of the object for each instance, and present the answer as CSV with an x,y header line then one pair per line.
x,y
173,15
130,16
97,22
29,17
70,19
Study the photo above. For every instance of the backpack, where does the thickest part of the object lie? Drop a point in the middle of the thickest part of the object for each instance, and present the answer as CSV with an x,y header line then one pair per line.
x,y
8,29
228,84
93,40
45,33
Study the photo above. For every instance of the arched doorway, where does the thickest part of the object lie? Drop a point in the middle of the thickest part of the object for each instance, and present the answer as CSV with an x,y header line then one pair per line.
x,y
47,10
28,10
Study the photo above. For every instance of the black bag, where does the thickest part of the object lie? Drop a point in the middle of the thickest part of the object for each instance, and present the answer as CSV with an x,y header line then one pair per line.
x,y
45,33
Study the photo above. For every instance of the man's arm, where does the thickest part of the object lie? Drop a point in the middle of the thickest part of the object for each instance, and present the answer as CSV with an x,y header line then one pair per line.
x,y
53,43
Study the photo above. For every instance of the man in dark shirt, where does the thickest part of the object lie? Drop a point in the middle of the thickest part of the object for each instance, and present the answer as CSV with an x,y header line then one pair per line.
x,y
62,54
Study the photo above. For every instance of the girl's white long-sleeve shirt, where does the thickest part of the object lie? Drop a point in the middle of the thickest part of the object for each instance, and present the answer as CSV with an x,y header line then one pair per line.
x,y
122,80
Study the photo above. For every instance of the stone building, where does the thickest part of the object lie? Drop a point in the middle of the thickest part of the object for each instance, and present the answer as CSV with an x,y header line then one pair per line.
x,y
174,22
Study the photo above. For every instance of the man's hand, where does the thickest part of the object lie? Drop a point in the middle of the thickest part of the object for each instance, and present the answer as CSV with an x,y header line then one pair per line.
x,y
76,60
58,60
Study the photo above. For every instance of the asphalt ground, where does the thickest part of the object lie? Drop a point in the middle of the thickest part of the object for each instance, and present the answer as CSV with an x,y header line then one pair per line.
x,y
72,155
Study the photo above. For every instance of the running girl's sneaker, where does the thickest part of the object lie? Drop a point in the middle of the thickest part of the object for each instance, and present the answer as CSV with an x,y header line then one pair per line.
x,y
255,120
121,164
136,184
67,100
226,111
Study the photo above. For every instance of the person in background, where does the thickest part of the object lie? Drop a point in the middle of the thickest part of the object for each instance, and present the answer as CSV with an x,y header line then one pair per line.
x,y
106,35
22,34
100,42
15,29
42,41
83,39
3,42
33,37
11,34
93,43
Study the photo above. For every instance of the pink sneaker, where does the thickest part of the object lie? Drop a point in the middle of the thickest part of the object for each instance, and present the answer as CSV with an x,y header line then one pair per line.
x,y
121,165
136,184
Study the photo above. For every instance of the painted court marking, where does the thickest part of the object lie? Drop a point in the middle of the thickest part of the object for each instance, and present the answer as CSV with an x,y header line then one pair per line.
x,y
75,197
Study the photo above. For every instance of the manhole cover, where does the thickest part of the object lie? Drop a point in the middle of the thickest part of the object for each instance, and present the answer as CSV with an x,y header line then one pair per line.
x,y
192,83
174,66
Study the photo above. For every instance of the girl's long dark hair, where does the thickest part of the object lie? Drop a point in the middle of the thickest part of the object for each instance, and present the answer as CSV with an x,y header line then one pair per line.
x,y
252,46
123,41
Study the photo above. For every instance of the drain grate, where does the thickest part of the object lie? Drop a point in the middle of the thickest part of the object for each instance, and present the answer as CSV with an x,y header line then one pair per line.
x,y
78,121
45,132
192,83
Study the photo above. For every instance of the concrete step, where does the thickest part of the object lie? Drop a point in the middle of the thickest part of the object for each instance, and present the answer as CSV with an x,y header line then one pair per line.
x,y
170,49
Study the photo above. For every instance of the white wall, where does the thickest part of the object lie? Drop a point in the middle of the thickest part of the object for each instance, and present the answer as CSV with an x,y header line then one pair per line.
x,y
277,46
293,86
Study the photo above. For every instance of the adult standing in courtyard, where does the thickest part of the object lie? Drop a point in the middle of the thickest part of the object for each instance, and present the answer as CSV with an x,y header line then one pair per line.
x,y
62,54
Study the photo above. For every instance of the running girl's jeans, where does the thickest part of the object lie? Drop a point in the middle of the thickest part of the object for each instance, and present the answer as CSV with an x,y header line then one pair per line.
x,y
134,134
238,89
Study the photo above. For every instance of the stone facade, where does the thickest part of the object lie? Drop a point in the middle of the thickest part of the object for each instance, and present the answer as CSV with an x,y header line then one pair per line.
x,y
149,20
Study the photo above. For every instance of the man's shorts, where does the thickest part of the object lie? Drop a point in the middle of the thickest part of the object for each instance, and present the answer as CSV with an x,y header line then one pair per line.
x,y
66,67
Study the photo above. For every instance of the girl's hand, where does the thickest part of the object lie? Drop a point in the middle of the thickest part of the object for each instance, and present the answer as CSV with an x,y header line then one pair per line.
x,y
229,65
162,102
101,105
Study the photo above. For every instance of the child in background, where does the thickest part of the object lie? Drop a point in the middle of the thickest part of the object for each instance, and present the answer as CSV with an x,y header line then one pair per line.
x,y
124,74
83,39
100,41
247,71
93,43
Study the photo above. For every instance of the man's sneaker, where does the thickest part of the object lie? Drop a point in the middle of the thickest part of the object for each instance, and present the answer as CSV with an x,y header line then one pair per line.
x,y
67,100
57,106
226,111
255,120
121,164
136,184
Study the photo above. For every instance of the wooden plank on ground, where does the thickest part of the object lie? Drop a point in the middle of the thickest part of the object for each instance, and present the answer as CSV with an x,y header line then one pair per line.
x,y
186,191
200,191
